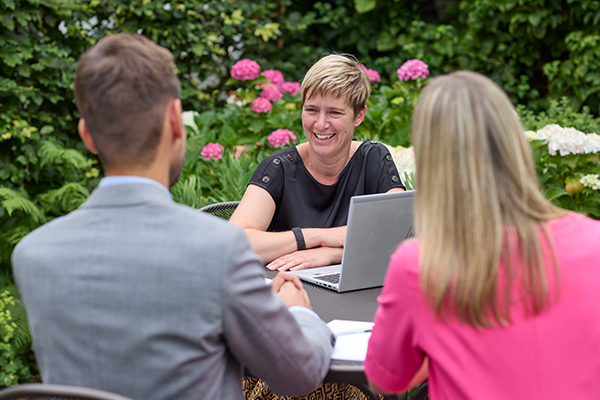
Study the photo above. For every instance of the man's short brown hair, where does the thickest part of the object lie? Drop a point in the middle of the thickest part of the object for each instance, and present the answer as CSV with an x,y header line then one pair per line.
x,y
122,86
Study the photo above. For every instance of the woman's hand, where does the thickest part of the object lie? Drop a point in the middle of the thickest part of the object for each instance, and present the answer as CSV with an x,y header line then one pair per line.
x,y
317,257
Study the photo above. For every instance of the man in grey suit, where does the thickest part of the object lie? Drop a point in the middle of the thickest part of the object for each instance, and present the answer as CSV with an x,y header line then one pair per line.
x,y
137,295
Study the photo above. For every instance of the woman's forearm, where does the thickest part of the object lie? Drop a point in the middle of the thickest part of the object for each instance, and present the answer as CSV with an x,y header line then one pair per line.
x,y
272,245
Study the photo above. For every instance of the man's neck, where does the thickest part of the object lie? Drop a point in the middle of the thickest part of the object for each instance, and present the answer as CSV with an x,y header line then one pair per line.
x,y
155,174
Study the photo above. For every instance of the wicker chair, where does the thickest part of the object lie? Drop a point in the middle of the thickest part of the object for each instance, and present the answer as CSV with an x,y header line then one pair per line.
x,y
420,394
39,391
222,210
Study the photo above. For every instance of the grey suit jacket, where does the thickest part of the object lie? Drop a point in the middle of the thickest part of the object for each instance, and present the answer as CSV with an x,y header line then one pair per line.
x,y
137,295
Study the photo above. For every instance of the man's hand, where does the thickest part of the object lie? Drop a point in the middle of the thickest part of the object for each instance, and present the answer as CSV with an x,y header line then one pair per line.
x,y
292,296
282,278
289,288
317,257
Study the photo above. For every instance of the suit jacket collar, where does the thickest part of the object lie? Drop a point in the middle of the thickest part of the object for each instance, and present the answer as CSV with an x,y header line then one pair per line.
x,y
126,195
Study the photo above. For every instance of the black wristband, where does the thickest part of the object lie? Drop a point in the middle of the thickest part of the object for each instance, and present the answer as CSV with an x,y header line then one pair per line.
x,y
299,238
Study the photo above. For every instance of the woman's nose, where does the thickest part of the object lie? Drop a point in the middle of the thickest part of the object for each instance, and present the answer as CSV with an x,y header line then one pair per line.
x,y
321,122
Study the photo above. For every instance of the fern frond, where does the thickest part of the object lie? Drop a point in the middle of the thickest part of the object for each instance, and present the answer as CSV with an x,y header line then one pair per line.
x,y
13,200
13,235
21,335
233,173
64,199
189,192
52,153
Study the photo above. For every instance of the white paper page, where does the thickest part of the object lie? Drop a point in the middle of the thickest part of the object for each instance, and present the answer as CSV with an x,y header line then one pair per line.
x,y
341,327
351,347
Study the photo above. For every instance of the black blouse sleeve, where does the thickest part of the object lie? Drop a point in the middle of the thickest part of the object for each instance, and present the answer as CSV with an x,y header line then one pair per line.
x,y
382,169
269,176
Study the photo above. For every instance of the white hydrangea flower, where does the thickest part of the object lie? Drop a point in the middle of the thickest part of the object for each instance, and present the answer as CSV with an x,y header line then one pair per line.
x,y
590,181
188,119
594,142
233,99
568,140
531,135
404,158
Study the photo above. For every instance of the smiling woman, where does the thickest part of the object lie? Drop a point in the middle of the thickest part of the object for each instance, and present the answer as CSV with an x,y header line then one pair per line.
x,y
295,208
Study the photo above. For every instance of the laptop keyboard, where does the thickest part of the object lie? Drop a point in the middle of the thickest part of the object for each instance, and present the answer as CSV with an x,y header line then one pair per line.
x,y
331,278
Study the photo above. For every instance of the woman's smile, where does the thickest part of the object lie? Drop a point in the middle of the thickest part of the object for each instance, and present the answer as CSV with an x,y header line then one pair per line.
x,y
324,137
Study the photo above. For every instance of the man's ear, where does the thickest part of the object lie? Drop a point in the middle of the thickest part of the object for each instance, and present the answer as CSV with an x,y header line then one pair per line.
x,y
360,117
175,120
86,136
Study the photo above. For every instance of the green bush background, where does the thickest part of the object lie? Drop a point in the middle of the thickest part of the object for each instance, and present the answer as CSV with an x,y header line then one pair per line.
x,y
537,50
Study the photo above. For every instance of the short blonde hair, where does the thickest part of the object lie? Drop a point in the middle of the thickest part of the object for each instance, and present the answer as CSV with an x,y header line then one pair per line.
x,y
339,75
475,178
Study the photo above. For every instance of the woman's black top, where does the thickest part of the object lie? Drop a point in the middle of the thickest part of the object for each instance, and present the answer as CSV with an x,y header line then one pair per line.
x,y
304,202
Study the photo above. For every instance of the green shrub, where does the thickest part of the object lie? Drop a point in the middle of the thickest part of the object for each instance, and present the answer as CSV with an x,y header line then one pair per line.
x,y
532,48
564,157
559,173
389,112
560,113
14,364
44,169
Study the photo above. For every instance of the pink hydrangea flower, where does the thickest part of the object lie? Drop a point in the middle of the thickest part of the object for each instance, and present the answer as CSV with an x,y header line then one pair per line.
x,y
274,76
271,93
212,151
245,69
281,137
290,87
413,69
261,105
238,149
372,74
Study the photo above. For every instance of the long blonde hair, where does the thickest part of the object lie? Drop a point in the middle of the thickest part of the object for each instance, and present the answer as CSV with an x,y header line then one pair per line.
x,y
475,181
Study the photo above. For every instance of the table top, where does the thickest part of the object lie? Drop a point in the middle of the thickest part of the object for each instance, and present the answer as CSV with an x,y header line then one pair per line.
x,y
357,305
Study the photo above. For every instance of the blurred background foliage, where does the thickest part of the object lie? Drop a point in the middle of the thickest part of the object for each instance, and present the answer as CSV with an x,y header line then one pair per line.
x,y
537,50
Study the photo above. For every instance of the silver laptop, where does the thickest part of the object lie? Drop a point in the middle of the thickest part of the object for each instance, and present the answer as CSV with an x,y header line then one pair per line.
x,y
377,224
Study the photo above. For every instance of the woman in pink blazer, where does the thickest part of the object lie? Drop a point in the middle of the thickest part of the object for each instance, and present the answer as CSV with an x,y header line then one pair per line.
x,y
499,295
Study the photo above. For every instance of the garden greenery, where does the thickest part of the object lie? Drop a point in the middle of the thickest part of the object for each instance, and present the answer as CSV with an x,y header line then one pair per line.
x,y
14,364
544,53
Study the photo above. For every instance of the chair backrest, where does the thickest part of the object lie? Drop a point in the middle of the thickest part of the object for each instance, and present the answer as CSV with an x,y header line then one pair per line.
x,y
223,210
421,393
35,391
